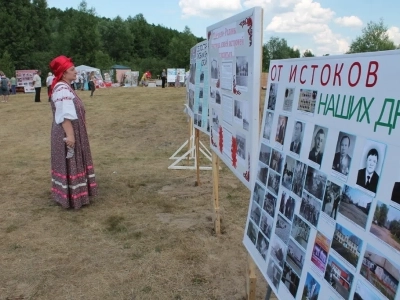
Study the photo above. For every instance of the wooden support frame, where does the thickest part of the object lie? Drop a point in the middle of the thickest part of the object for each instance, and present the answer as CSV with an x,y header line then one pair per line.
x,y
215,172
191,154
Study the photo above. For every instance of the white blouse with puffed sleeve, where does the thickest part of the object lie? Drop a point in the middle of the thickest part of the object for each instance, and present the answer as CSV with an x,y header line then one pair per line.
x,y
62,98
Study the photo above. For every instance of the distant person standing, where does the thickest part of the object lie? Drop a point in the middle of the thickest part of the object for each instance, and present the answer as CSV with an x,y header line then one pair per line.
x,y
163,78
49,81
4,86
92,85
177,81
13,82
37,84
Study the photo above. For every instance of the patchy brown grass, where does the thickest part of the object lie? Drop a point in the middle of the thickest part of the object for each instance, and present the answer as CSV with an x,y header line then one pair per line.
x,y
148,235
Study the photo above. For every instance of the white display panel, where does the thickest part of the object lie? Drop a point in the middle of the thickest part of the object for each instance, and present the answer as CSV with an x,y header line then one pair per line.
x,y
234,62
324,214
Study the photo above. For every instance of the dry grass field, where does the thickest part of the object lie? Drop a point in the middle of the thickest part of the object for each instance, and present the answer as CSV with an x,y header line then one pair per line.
x,y
149,233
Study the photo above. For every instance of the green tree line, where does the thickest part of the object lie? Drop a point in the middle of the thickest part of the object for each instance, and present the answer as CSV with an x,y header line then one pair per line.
x,y
32,34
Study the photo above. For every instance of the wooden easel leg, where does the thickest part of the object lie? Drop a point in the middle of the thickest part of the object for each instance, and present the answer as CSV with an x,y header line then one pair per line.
x,y
251,279
217,217
197,144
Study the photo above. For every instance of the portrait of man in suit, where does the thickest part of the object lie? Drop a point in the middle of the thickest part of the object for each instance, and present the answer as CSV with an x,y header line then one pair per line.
x,y
367,177
281,130
317,150
342,159
268,125
295,145
396,192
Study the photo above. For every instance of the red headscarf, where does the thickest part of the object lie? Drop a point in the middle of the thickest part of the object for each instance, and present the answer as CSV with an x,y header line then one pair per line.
x,y
59,65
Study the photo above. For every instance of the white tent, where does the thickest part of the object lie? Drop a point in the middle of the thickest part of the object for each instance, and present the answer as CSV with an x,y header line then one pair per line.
x,y
86,70
83,68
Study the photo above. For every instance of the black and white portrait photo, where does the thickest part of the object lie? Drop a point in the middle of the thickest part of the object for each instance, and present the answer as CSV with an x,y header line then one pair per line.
x,y
191,99
332,197
300,231
267,222
295,257
344,153
242,71
200,106
265,154
268,125
288,172
262,245
278,250
274,272
212,92
315,182
288,100
273,182
318,144
252,232
202,77
273,91
258,194
310,208
281,129
215,120
396,192
276,162
299,178
282,229
214,69
192,73
287,205
255,213
290,279
297,137
371,165
262,173
241,146
270,204
217,97
238,111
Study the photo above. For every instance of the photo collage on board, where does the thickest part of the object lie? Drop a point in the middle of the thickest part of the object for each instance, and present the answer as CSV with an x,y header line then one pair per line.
x,y
231,60
294,197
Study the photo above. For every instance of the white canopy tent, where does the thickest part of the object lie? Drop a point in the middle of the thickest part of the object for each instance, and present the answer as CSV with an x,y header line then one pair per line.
x,y
86,70
83,68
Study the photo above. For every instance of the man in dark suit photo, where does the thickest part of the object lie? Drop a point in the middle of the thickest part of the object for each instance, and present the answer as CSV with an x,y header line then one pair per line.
x,y
316,153
295,145
396,192
280,133
367,177
342,160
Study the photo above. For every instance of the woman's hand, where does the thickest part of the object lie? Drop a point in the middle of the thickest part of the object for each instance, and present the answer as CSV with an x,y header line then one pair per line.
x,y
70,141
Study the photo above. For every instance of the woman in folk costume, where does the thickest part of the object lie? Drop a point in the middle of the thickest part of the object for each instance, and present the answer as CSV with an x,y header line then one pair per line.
x,y
72,172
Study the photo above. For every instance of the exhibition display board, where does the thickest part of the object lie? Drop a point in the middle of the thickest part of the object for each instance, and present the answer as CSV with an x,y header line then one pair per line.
x,y
172,73
198,87
234,70
25,80
324,213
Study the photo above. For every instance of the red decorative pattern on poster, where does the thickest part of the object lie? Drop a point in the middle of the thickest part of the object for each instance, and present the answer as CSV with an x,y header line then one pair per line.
x,y
246,174
221,139
234,152
249,22
212,140
235,91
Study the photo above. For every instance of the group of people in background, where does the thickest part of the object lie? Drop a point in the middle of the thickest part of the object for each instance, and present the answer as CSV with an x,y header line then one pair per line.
x,y
7,86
